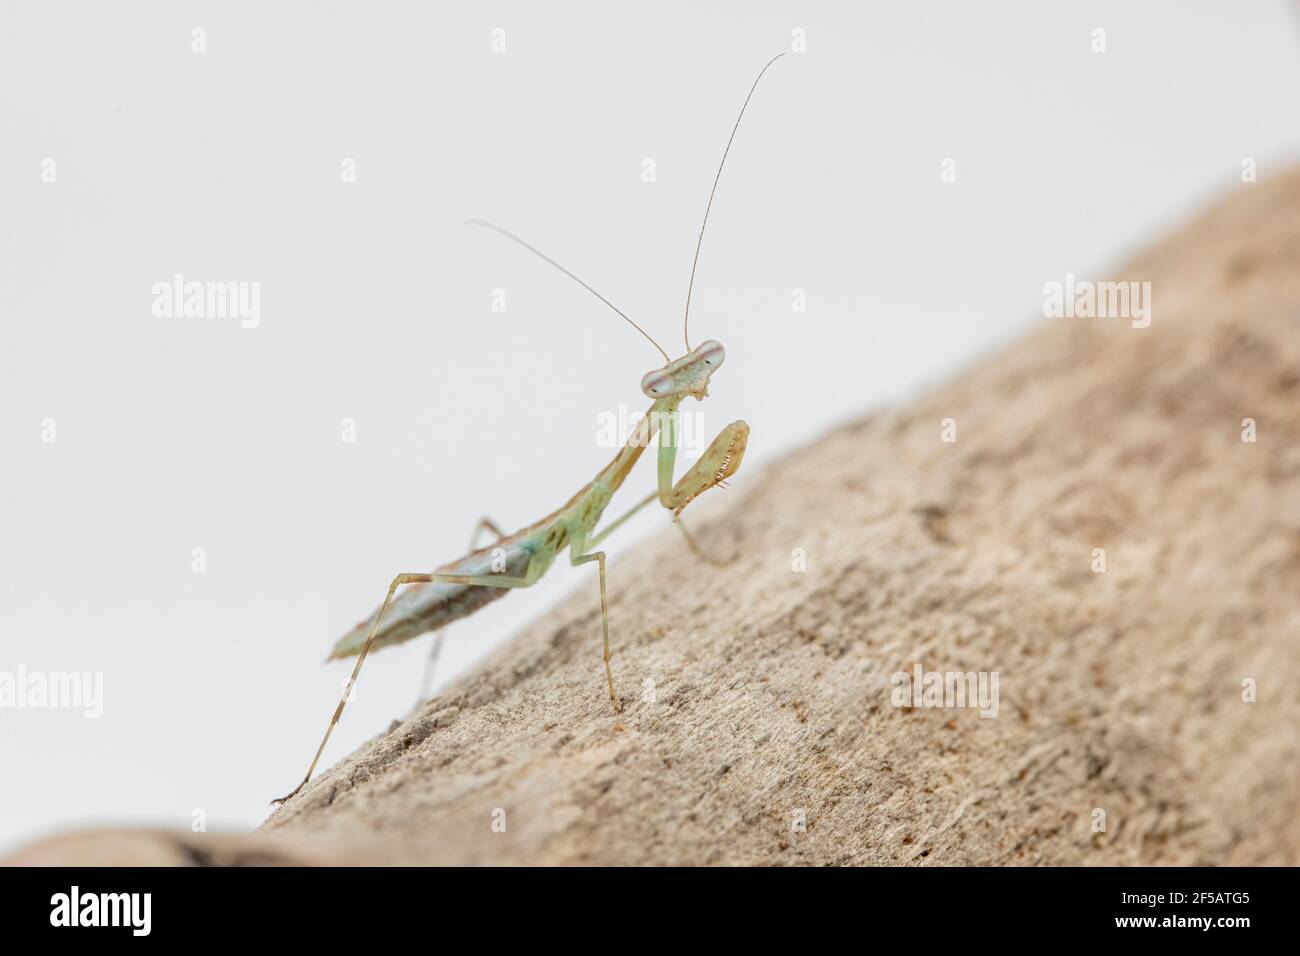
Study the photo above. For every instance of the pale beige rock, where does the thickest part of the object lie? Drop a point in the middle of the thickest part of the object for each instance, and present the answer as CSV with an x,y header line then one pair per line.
x,y
158,847
1119,691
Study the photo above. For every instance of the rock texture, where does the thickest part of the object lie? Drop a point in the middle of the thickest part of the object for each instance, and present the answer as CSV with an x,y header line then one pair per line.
x,y
757,724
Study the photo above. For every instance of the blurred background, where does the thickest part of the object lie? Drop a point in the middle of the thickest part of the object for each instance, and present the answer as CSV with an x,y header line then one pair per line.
x,y
911,176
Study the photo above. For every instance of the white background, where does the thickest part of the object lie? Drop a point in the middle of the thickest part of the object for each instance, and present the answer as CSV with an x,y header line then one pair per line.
x,y
175,434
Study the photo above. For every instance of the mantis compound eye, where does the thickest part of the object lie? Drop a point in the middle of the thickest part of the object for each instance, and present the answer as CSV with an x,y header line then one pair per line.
x,y
658,384
711,353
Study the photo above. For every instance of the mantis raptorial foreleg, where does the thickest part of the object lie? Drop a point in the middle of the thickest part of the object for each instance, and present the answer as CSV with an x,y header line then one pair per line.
x,y
431,663
482,580
667,455
720,460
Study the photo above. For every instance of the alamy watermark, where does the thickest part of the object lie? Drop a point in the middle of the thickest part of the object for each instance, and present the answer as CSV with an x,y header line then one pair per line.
x,y
924,688
616,429
53,690
75,908
181,299
1084,299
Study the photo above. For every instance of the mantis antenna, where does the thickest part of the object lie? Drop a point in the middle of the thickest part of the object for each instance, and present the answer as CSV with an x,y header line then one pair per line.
x,y
537,252
686,322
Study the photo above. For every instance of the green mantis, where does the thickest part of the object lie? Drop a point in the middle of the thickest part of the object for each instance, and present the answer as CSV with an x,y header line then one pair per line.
x,y
433,600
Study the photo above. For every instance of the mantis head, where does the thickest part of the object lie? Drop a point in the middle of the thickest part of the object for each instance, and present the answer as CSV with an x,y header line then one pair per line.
x,y
688,375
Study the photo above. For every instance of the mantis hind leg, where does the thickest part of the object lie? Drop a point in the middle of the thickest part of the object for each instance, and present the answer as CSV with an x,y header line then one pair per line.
x,y
431,662
599,557
478,580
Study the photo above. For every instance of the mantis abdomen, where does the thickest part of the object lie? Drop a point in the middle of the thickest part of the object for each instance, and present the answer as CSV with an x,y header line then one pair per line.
x,y
422,608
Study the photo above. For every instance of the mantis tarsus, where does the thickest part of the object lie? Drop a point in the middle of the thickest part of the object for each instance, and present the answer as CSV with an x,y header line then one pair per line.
x,y
518,560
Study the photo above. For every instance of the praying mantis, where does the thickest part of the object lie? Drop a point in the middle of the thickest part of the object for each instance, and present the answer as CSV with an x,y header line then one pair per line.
x,y
458,589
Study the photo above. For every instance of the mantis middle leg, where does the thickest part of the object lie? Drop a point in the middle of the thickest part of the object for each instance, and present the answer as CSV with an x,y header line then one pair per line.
x,y
691,543
599,556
